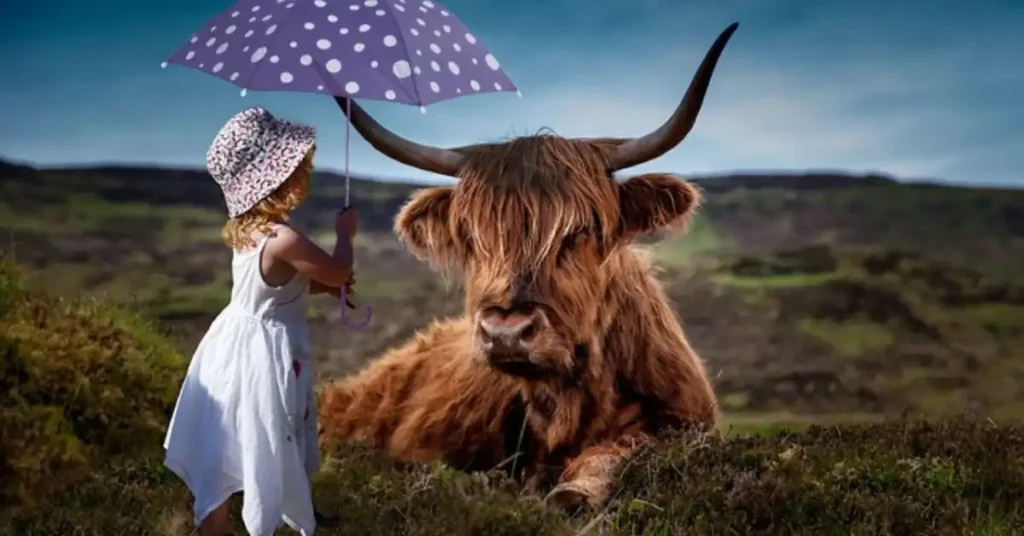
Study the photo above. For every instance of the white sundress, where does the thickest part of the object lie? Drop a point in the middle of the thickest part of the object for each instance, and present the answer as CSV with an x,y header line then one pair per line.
x,y
245,419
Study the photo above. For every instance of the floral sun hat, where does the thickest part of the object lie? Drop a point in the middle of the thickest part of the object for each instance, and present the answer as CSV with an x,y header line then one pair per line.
x,y
253,154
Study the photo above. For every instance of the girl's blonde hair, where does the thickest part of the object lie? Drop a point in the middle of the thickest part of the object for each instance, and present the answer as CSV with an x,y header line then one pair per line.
x,y
275,208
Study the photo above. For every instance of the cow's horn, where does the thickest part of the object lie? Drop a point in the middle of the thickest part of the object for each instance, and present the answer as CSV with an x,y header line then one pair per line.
x,y
659,142
425,157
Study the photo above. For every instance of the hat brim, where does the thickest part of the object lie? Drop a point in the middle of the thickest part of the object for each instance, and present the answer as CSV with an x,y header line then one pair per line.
x,y
287,145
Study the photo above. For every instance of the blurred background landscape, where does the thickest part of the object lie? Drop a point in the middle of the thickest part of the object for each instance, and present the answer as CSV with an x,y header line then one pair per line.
x,y
820,297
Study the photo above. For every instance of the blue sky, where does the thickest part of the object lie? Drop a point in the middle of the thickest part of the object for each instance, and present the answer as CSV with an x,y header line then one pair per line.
x,y
922,90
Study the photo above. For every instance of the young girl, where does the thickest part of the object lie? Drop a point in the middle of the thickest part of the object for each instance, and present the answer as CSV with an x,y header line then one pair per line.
x,y
245,419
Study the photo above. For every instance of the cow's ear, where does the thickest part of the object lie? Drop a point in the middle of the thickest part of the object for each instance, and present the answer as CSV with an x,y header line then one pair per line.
x,y
422,225
655,201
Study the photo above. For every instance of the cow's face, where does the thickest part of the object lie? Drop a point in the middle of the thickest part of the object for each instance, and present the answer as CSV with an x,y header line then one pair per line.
x,y
530,227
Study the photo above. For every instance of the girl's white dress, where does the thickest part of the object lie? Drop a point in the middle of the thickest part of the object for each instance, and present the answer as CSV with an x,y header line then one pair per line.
x,y
245,419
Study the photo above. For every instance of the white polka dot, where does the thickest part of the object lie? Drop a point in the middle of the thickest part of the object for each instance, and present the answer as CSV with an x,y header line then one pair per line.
x,y
497,86
287,77
343,31
234,14
458,90
319,3
293,44
470,39
213,28
379,12
333,66
457,47
245,48
290,5
370,3
475,85
309,26
267,17
474,61
444,13
434,87
453,67
352,87
323,44
306,59
248,34
274,59
419,52
399,7
191,54
234,76
196,38
389,95
319,88
332,18
218,66
416,69
435,66
373,64
271,29
230,29
420,22
364,28
414,31
252,19
211,41
222,48
258,55
423,9
446,28
255,9
390,41
354,7
491,62
434,48
428,3
359,47
201,65
401,69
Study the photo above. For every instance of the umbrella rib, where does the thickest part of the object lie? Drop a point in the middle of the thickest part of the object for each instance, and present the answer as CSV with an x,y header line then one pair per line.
x,y
408,54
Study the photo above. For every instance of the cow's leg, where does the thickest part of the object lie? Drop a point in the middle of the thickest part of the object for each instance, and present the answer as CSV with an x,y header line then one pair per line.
x,y
423,401
589,476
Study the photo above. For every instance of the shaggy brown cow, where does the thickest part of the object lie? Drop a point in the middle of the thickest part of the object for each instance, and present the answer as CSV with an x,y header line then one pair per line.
x,y
568,355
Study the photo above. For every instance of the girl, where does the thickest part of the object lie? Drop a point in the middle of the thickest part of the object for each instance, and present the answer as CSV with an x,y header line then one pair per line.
x,y
245,419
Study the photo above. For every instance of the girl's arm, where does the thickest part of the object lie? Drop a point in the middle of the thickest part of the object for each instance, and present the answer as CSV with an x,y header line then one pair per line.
x,y
316,287
308,259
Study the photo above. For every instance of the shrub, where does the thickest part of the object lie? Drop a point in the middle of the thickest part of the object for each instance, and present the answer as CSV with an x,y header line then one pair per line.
x,y
81,382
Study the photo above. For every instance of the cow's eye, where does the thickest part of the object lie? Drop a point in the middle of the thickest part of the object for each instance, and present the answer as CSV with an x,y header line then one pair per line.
x,y
569,243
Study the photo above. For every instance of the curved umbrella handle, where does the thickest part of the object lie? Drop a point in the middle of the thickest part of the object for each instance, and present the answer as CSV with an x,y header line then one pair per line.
x,y
344,316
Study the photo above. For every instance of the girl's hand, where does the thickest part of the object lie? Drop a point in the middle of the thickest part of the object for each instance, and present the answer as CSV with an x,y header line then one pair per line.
x,y
345,222
316,287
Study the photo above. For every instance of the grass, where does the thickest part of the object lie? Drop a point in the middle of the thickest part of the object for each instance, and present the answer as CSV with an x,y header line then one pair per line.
x,y
851,338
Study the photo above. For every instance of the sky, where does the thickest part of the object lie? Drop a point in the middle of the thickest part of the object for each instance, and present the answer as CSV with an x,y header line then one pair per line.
x,y
922,90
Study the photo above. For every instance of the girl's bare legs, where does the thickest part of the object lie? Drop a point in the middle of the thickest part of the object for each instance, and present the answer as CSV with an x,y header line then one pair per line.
x,y
216,523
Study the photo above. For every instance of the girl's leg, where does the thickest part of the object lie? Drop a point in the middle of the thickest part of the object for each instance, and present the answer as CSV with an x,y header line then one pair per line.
x,y
216,523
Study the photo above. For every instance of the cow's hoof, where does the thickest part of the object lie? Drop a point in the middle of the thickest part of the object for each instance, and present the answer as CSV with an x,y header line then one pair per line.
x,y
567,495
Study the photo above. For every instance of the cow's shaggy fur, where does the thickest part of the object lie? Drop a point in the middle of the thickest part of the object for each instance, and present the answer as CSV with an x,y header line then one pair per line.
x,y
537,220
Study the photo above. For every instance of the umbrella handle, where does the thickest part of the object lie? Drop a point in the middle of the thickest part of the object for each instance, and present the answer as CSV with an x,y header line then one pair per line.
x,y
344,315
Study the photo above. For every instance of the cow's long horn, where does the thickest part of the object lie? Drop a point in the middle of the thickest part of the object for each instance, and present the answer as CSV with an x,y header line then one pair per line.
x,y
659,142
425,157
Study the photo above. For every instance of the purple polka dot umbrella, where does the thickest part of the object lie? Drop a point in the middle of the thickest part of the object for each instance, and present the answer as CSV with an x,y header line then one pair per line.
x,y
409,51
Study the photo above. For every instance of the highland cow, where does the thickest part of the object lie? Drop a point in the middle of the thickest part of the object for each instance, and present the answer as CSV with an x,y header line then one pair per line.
x,y
568,355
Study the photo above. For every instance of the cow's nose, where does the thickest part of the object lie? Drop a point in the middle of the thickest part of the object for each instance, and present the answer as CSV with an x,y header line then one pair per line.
x,y
508,335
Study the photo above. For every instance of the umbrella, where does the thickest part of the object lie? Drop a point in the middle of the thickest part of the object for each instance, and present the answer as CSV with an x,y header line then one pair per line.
x,y
414,52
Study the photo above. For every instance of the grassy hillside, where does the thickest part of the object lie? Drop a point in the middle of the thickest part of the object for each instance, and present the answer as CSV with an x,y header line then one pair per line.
x,y
85,387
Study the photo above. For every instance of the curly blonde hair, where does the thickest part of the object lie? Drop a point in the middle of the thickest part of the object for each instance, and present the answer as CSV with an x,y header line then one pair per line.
x,y
275,208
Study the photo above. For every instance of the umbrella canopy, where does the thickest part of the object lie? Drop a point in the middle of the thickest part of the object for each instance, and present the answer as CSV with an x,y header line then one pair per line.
x,y
409,51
